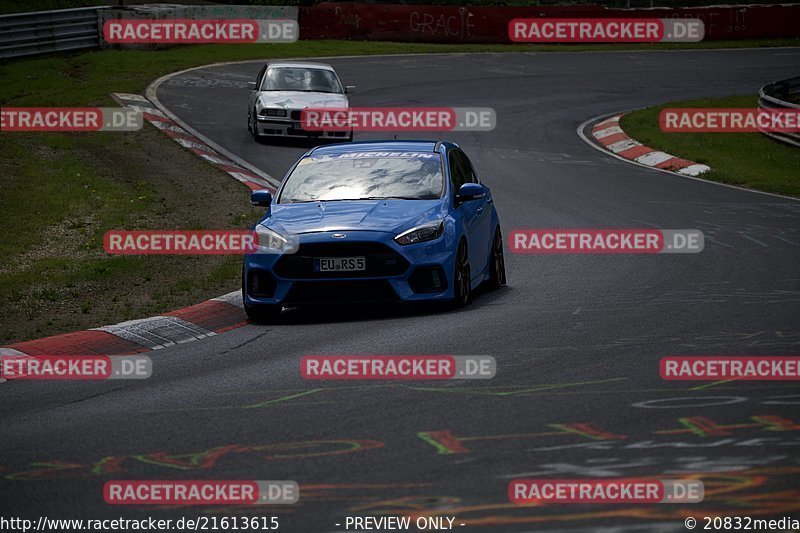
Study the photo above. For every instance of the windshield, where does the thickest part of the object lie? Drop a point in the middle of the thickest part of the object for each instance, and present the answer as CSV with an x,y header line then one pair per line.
x,y
301,79
365,175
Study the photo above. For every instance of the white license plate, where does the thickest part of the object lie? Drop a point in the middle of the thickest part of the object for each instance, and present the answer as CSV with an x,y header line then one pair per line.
x,y
340,264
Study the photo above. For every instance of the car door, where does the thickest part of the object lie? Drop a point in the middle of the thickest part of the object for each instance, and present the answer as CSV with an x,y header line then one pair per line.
x,y
467,212
483,224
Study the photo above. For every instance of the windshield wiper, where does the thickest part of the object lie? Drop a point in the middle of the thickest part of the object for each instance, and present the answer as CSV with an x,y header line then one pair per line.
x,y
394,198
363,198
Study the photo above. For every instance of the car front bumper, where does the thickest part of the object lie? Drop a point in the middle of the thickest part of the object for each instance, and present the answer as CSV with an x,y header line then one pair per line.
x,y
282,127
417,272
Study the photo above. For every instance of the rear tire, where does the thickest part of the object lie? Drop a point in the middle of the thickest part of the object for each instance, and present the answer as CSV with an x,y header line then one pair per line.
x,y
462,278
497,267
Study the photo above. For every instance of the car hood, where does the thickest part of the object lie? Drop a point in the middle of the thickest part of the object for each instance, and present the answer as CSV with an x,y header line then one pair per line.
x,y
300,100
389,216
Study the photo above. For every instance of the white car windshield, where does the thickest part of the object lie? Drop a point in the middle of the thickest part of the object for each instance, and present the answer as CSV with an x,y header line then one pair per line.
x,y
365,176
301,79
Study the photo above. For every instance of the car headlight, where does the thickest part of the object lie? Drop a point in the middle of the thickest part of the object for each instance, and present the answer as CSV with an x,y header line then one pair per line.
x,y
270,241
426,232
271,112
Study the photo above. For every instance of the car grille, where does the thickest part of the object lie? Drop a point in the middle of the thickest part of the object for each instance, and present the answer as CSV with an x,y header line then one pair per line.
x,y
381,261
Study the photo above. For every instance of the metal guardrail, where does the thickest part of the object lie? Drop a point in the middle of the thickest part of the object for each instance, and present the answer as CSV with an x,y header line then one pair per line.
x,y
775,96
25,34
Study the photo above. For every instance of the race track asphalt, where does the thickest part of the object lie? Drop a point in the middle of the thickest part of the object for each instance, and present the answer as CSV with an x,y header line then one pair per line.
x,y
577,338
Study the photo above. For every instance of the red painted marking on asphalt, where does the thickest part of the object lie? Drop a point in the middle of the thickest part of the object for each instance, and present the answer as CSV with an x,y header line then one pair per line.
x,y
238,170
232,327
258,186
636,151
186,136
209,153
611,139
776,423
607,123
158,118
89,342
212,315
447,441
675,163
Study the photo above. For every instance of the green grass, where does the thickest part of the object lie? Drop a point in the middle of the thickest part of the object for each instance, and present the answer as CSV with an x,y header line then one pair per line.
x,y
749,160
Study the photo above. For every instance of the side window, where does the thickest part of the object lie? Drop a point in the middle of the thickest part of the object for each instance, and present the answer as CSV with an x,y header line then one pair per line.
x,y
456,170
260,77
469,172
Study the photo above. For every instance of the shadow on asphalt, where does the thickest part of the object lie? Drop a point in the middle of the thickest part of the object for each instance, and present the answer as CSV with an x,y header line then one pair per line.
x,y
337,313
291,142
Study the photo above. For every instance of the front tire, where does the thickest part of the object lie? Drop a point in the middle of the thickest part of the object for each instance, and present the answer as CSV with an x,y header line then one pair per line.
x,y
462,278
252,126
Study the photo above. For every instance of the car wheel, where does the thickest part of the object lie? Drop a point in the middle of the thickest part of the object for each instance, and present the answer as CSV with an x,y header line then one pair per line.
x,y
462,286
497,268
252,126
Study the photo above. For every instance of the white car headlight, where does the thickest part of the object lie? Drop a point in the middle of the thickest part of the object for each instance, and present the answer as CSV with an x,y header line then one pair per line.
x,y
425,232
270,241
273,112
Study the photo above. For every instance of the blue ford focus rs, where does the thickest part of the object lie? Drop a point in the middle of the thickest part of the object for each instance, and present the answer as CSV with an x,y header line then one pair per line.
x,y
374,221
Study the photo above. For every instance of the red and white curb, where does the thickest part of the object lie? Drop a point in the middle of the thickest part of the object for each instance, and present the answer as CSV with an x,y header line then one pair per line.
x,y
610,135
192,142
192,323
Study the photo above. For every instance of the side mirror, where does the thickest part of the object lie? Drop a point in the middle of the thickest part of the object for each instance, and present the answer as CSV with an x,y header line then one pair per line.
x,y
251,85
349,89
470,191
261,198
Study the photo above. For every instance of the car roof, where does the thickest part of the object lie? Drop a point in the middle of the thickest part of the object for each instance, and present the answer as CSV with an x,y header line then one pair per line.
x,y
382,146
298,64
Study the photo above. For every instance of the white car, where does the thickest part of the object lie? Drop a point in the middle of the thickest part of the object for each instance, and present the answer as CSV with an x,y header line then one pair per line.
x,y
283,89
